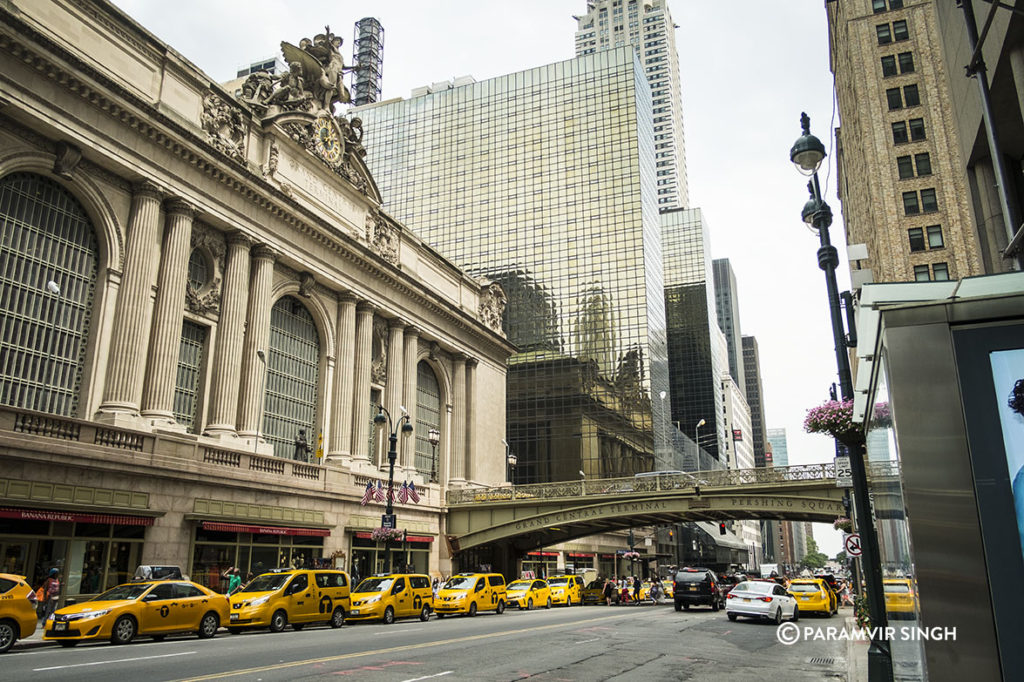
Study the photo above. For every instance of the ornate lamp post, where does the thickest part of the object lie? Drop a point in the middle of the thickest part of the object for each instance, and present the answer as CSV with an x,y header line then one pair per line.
x,y
434,436
696,434
807,154
383,418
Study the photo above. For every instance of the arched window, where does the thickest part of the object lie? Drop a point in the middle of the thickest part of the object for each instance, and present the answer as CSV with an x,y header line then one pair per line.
x,y
48,261
293,365
428,416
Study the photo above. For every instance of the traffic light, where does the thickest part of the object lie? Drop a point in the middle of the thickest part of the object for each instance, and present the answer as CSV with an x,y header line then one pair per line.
x,y
721,527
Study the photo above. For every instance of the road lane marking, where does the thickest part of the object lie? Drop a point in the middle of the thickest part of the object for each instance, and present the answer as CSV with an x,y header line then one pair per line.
x,y
596,639
427,677
120,660
407,647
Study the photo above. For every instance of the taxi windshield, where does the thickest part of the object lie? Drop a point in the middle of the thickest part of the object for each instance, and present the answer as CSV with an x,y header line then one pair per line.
x,y
461,583
268,582
558,581
375,585
123,592
520,585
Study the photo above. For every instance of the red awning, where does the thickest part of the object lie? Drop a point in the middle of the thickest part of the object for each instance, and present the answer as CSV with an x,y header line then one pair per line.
x,y
264,530
581,555
56,515
408,538
542,553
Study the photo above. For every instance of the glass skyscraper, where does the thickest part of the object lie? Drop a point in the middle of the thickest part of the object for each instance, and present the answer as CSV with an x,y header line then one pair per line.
x,y
544,181
780,451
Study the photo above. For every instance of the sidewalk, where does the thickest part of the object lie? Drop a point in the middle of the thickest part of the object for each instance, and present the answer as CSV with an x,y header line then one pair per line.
x,y
856,655
32,641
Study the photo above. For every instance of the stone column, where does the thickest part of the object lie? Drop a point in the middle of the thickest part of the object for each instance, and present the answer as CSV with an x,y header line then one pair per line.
x,y
122,392
361,382
344,379
393,391
412,352
458,447
165,341
471,451
227,356
257,334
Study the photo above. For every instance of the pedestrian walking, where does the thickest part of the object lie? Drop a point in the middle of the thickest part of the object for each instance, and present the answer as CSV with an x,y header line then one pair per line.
x,y
51,590
636,589
609,588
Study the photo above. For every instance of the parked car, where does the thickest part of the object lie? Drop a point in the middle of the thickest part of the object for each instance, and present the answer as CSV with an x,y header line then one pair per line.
x,y
900,600
297,596
763,600
566,589
695,587
17,610
814,595
387,597
528,593
469,593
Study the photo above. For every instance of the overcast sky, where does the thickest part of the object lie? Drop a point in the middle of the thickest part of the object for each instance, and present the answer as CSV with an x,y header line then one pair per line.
x,y
748,67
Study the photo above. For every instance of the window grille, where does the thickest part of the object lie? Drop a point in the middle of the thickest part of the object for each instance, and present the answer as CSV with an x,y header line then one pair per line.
x,y
198,274
190,367
45,235
428,415
293,365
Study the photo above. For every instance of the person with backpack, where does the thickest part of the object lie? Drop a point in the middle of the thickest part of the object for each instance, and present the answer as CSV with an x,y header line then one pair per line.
x,y
51,593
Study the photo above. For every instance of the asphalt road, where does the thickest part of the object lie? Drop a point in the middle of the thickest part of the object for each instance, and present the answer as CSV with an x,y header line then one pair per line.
x,y
579,643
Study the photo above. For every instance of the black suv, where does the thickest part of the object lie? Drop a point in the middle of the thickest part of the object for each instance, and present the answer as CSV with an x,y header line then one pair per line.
x,y
695,586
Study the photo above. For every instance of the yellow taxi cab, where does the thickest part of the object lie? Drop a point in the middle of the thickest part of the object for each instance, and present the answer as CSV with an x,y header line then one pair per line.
x,y
594,592
528,593
566,589
900,599
297,596
471,592
669,587
17,610
813,596
148,607
386,597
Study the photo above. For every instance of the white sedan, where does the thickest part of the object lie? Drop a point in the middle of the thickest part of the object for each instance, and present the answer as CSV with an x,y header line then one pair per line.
x,y
757,599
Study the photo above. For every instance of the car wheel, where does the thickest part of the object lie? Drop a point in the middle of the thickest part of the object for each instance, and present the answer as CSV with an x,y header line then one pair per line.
x,y
732,616
8,634
472,609
548,605
679,606
67,644
714,605
389,616
529,604
338,617
796,614
278,621
209,625
686,607
501,607
298,626
425,614
124,630
778,616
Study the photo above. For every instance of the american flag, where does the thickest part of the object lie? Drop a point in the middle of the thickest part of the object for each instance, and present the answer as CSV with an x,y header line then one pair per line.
x,y
378,494
367,494
403,493
413,495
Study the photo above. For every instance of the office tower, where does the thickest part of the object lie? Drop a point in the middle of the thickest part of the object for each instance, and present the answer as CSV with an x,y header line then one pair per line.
x,y
273,65
740,449
780,453
648,27
901,157
697,349
543,181
755,397
727,306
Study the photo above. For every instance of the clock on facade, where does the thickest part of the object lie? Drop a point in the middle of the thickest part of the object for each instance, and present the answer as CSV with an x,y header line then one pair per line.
x,y
328,140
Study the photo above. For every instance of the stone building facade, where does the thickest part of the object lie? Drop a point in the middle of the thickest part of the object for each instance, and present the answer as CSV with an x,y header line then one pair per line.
x,y
901,175
203,309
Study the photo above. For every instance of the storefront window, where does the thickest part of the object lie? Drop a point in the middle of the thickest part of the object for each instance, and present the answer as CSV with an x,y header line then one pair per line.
x,y
369,557
255,553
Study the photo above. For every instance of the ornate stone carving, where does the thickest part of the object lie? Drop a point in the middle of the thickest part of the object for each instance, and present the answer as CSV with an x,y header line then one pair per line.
x,y
204,236
270,167
68,157
492,306
382,237
379,363
307,283
205,299
224,127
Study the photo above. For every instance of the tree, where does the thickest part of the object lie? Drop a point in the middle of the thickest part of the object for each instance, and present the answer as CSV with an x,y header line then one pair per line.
x,y
813,559
841,558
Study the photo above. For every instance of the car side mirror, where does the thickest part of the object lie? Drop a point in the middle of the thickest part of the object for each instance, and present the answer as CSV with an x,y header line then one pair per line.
x,y
150,597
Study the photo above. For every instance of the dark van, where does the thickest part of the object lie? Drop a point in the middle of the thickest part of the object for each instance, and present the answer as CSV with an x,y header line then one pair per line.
x,y
695,587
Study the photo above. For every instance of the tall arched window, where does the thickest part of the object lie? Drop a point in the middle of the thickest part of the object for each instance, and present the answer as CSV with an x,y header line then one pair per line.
x,y
428,416
48,260
293,365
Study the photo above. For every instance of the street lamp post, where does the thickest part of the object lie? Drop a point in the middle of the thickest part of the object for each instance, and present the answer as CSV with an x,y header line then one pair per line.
x,y
696,434
808,153
434,436
383,418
